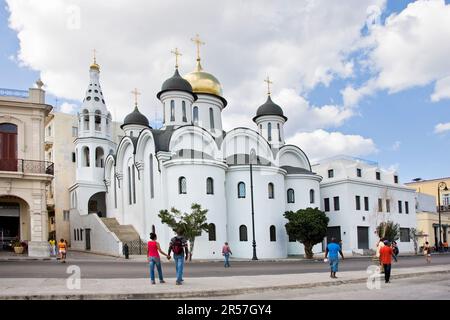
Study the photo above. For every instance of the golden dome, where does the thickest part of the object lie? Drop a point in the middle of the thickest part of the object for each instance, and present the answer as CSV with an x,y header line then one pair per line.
x,y
203,82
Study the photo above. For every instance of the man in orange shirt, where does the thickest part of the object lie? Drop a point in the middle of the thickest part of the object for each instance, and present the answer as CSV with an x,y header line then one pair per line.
x,y
386,253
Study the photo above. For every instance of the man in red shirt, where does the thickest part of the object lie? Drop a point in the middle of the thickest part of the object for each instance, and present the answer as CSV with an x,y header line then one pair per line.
x,y
386,253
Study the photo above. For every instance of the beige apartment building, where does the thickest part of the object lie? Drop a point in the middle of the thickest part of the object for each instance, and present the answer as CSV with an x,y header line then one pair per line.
x,y
61,130
25,174
428,208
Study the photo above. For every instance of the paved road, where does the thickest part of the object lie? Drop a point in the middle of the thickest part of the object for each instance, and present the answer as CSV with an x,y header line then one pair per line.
x,y
430,287
111,268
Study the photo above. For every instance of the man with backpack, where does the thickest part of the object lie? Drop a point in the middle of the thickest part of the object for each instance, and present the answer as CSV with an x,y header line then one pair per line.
x,y
178,245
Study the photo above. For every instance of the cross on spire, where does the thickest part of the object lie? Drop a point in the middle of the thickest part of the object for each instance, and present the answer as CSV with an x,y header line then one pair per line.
x,y
136,93
268,84
177,54
198,42
95,60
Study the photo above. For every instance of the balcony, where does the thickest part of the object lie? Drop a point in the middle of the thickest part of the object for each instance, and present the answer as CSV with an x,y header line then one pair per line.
x,y
445,208
27,166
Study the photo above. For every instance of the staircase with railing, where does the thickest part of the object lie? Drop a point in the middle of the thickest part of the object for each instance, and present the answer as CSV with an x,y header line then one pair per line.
x,y
127,235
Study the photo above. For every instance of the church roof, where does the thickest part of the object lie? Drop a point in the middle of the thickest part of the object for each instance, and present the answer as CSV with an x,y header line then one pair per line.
x,y
162,138
296,170
176,83
269,108
135,118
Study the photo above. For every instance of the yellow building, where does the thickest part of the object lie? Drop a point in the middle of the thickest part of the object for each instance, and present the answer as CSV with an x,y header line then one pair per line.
x,y
24,172
428,210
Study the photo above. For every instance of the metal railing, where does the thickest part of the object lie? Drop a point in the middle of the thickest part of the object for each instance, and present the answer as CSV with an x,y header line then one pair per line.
x,y
13,93
136,247
445,208
27,166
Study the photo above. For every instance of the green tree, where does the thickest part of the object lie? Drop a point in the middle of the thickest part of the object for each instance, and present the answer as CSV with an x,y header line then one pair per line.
x,y
190,224
307,226
389,231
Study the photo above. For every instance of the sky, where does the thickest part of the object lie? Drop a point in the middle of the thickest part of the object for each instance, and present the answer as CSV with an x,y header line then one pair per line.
x,y
365,78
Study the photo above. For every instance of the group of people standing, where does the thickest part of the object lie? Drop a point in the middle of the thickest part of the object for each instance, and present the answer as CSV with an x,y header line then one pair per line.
x,y
178,246
62,249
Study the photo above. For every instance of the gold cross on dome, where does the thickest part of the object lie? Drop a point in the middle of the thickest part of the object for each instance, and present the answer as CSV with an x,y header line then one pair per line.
x,y
268,84
177,54
95,60
198,42
136,93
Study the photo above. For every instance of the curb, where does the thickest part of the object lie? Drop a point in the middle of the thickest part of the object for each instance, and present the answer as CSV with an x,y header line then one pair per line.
x,y
204,293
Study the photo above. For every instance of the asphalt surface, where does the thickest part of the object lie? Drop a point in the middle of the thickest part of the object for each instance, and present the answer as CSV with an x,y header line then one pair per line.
x,y
429,287
111,268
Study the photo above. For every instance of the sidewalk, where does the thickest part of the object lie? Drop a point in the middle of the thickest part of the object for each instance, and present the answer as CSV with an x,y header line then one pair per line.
x,y
193,287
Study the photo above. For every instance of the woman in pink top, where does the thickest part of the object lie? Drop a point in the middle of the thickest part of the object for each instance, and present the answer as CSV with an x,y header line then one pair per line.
x,y
226,251
153,258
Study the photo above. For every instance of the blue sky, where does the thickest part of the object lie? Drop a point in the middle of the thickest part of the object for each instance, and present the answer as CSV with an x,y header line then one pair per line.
x,y
401,124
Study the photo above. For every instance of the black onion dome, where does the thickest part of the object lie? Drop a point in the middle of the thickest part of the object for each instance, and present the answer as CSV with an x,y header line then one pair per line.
x,y
135,118
269,108
176,83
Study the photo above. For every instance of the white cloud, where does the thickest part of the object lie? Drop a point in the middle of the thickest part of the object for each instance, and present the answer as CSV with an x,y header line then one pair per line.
x,y
441,89
298,43
321,144
396,145
442,127
410,49
68,108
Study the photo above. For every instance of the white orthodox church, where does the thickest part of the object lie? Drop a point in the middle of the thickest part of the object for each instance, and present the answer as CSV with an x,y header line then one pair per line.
x,y
120,189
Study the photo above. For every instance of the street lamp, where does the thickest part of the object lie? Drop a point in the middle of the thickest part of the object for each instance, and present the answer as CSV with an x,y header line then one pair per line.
x,y
441,186
252,157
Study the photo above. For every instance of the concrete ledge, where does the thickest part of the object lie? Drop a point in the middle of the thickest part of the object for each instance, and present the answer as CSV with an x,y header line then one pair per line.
x,y
56,289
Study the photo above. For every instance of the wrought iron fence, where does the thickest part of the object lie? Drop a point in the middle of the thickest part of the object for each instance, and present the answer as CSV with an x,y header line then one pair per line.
x,y
136,247
27,166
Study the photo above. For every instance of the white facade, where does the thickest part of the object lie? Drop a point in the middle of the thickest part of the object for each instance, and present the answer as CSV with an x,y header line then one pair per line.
x,y
192,160
364,201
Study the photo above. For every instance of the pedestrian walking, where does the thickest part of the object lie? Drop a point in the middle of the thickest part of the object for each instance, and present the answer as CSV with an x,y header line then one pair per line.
x,y
153,258
178,245
395,251
333,250
226,251
380,245
62,250
427,252
386,254
52,245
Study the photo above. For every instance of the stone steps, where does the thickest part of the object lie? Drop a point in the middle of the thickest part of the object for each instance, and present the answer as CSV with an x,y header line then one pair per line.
x,y
125,233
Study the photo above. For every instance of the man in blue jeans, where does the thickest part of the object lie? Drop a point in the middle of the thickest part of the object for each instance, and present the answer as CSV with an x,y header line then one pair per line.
x,y
178,245
332,252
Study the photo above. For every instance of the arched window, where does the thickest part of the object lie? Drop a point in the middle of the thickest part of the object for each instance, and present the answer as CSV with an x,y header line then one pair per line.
x,y
209,186
98,120
273,234
260,128
86,158
182,185
290,196
279,132
241,190
183,107
211,117
243,233
129,186
99,157
269,131
78,234
75,234
152,187
195,115
86,119
271,190
172,110
212,232
311,196
115,193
